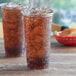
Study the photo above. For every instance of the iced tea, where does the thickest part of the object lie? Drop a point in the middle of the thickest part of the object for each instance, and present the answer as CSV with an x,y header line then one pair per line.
x,y
13,29
37,26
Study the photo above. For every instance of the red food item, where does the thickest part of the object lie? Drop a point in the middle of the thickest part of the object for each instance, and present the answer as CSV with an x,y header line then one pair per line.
x,y
66,37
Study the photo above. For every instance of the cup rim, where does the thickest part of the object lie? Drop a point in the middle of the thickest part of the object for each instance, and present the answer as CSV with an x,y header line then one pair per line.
x,y
25,12
3,5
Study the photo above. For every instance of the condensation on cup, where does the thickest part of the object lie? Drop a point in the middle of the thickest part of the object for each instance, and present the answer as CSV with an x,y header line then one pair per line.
x,y
37,26
13,29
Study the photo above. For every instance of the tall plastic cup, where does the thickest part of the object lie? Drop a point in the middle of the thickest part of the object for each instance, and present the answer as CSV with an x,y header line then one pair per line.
x,y
13,29
37,26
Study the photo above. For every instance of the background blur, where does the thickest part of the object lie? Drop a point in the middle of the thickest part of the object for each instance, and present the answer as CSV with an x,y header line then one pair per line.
x,y
64,10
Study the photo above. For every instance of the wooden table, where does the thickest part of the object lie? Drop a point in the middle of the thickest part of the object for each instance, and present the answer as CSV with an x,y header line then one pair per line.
x,y
62,62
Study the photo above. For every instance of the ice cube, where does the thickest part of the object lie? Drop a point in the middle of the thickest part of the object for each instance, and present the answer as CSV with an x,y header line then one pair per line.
x,y
12,5
44,11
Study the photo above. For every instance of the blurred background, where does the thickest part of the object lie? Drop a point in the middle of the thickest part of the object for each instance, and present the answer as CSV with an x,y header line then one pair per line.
x,y
64,10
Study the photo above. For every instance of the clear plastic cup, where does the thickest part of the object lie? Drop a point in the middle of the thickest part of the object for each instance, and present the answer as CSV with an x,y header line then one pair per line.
x,y
13,29
37,27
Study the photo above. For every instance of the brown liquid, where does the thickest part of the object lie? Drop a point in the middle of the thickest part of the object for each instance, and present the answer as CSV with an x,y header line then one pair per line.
x,y
37,35
13,31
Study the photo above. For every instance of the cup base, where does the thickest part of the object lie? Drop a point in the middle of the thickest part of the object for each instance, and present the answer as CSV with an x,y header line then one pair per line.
x,y
37,67
11,56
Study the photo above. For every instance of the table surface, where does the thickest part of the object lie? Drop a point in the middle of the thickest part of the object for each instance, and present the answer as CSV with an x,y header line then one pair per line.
x,y
62,62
